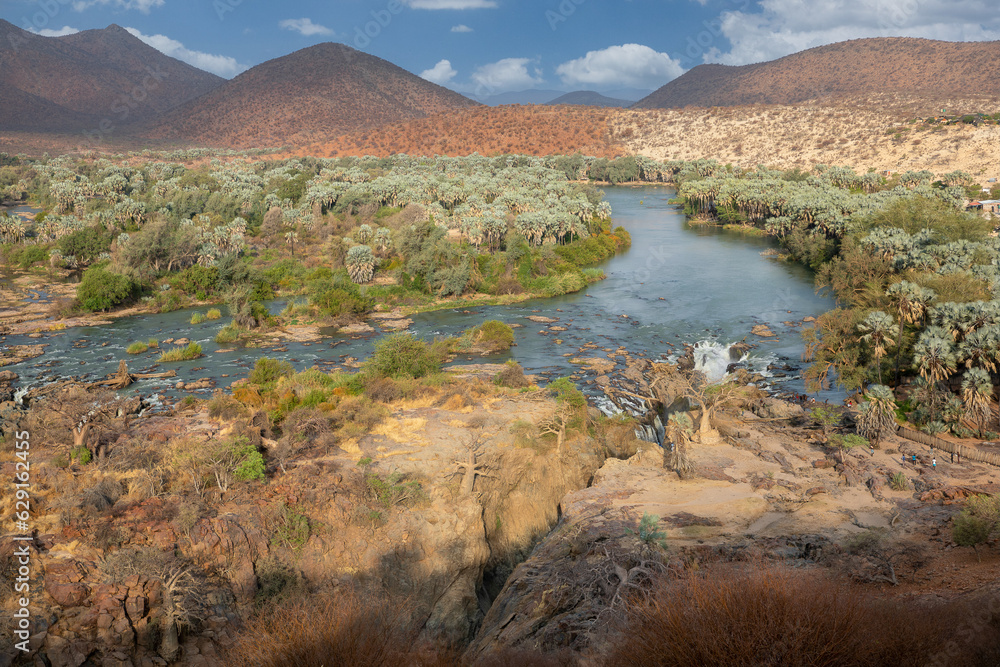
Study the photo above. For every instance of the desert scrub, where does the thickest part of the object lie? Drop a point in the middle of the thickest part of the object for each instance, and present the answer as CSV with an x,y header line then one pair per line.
x,y
192,351
137,348
393,489
197,318
266,372
213,314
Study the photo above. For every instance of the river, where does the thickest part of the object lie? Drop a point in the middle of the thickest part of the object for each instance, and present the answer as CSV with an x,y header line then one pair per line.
x,y
678,284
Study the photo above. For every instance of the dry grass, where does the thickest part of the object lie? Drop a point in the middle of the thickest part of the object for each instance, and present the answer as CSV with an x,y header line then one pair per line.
x,y
762,615
342,628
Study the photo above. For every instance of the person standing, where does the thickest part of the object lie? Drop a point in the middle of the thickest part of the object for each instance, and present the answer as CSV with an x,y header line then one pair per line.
x,y
934,462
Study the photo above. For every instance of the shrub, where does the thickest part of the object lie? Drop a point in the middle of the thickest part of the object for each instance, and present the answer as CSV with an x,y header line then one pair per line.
x,y
267,371
512,376
355,629
228,334
249,464
101,289
899,482
152,342
137,348
213,314
491,336
192,351
197,318
761,615
402,355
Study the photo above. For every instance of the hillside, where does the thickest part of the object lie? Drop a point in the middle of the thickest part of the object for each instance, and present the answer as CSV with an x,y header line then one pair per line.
x,y
530,130
589,98
857,67
70,83
317,92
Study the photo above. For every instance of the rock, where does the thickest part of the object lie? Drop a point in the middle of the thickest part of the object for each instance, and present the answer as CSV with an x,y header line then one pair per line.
x,y
816,490
774,408
396,325
359,328
597,364
822,463
8,376
67,594
182,341
541,319
763,331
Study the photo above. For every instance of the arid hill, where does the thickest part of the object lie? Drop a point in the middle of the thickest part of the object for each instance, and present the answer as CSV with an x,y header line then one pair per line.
x,y
589,98
318,92
70,83
856,67
530,130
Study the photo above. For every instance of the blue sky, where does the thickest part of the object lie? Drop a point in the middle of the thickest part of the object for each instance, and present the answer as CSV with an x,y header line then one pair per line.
x,y
492,46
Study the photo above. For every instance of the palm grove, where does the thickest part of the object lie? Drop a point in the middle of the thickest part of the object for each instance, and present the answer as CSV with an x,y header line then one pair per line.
x,y
916,278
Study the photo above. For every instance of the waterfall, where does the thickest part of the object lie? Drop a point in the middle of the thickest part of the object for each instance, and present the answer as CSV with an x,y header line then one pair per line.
x,y
713,358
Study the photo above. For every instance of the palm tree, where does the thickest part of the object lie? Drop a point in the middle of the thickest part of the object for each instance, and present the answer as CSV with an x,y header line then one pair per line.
x,y
936,359
977,397
879,330
290,238
877,413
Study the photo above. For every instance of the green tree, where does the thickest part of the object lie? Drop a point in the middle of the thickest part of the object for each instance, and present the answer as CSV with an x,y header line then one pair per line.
x,y
977,397
878,330
877,414
101,289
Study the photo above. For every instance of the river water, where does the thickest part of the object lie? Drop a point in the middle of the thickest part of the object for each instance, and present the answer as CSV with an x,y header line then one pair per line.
x,y
677,285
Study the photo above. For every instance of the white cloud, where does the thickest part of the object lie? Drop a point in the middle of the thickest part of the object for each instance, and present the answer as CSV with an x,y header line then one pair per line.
x,y
305,27
461,28
782,27
451,4
224,66
49,32
628,65
142,5
505,75
440,74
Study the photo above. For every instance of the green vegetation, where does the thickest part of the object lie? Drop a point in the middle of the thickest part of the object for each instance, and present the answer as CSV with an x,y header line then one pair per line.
x,y
192,351
213,314
916,277
978,522
101,289
401,355
197,318
137,348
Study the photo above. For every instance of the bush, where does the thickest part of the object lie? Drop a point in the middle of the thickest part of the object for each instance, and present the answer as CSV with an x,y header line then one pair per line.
x,y
402,355
197,318
491,337
101,289
341,628
228,334
771,616
213,314
249,461
137,348
267,371
192,351
512,376
899,482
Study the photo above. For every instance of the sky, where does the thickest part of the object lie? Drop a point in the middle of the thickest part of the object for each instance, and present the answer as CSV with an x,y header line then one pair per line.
x,y
488,47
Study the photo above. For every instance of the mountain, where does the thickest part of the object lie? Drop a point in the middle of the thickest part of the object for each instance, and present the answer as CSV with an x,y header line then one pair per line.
x,y
857,67
532,96
75,82
631,94
528,129
589,98
320,91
